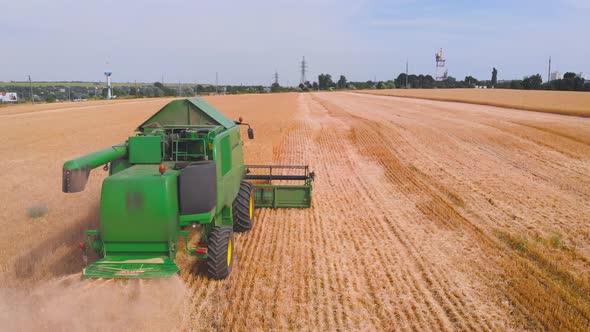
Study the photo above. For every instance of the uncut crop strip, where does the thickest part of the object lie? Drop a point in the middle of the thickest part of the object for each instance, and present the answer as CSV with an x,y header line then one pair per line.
x,y
557,102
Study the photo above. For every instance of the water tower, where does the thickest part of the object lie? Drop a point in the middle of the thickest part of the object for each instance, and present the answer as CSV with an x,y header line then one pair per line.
x,y
109,87
441,71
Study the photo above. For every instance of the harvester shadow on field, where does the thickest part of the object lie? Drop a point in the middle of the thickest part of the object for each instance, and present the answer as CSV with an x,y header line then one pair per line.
x,y
198,268
57,255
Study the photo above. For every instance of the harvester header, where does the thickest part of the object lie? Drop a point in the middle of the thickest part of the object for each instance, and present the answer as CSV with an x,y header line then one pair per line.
x,y
183,169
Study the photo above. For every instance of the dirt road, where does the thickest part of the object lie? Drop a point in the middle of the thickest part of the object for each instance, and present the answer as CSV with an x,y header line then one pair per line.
x,y
426,215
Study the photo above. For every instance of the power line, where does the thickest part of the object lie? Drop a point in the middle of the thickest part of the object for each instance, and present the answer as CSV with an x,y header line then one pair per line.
x,y
303,70
549,71
407,73
31,86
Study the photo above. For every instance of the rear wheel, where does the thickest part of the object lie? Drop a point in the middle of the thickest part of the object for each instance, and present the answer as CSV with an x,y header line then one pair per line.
x,y
243,208
220,252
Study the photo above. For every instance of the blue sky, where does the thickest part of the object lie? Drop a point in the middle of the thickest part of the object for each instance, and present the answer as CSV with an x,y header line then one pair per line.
x,y
245,41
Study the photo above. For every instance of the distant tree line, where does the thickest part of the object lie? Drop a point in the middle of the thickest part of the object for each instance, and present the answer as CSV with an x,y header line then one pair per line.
x,y
570,82
70,90
54,93
325,82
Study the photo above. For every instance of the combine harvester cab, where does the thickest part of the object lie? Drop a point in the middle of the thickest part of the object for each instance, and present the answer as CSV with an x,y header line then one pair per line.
x,y
183,169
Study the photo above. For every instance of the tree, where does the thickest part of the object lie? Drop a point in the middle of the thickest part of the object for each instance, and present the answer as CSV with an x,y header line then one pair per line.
x,y
536,81
532,82
516,84
569,76
572,82
275,87
119,92
581,86
400,81
471,81
164,90
341,82
322,81
425,82
390,84
494,76
431,80
325,81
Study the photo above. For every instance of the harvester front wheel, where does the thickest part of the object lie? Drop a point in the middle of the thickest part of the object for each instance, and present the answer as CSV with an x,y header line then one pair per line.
x,y
243,208
220,252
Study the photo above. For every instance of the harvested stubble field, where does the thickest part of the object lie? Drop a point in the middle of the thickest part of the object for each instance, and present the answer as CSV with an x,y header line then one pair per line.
x,y
427,215
558,102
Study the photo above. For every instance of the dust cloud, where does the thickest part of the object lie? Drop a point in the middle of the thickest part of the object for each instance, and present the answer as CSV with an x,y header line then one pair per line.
x,y
74,303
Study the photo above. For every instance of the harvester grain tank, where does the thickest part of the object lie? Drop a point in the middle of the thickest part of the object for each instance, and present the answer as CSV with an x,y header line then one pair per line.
x,y
183,169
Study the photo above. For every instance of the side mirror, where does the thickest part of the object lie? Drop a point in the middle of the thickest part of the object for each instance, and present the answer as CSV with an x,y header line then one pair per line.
x,y
250,133
240,119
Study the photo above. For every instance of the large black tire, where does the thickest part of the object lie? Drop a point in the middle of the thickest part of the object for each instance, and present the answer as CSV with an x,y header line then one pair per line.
x,y
220,251
243,208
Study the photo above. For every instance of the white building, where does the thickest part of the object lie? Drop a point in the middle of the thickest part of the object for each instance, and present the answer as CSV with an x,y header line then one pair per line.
x,y
555,76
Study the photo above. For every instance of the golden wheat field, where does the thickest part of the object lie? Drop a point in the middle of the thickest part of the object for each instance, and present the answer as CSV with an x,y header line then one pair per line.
x,y
427,215
559,102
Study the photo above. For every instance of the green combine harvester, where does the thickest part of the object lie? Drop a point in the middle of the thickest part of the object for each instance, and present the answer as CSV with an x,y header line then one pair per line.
x,y
183,169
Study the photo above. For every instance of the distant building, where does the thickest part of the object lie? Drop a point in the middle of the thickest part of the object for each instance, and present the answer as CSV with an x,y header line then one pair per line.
x,y
8,97
555,76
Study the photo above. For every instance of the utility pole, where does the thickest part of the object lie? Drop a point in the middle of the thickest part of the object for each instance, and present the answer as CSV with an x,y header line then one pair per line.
x,y
303,70
216,83
549,71
31,86
276,78
407,73
70,93
179,89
